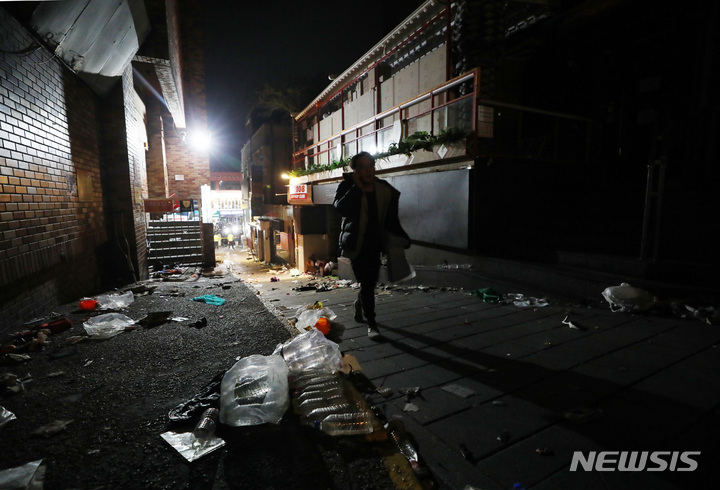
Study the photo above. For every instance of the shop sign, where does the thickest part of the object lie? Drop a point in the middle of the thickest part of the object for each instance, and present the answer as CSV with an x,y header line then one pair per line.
x,y
158,205
300,194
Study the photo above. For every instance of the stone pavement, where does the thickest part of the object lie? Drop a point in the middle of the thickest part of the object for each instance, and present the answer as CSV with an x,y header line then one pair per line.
x,y
508,394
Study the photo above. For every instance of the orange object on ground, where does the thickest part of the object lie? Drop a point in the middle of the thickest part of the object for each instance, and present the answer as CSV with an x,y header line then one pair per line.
x,y
88,304
323,325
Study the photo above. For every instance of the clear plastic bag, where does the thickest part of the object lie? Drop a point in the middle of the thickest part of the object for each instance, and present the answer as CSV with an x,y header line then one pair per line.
x,y
255,391
107,325
308,318
628,299
115,301
310,351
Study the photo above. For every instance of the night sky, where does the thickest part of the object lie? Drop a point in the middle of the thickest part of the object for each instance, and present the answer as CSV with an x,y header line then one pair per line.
x,y
251,43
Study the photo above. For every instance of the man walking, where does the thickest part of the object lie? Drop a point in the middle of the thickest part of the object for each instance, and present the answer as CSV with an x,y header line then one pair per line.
x,y
369,210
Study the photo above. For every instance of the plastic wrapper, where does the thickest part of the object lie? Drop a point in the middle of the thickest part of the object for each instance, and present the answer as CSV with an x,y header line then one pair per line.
x,y
310,351
115,301
107,325
189,446
255,391
628,299
308,318
6,416
24,476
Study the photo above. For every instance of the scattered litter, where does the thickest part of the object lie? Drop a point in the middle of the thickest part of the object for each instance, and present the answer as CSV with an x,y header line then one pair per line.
x,y
155,318
488,295
275,279
115,301
179,319
385,391
87,304
410,407
210,299
255,391
573,325
628,299
522,301
309,315
581,415
29,475
310,350
52,428
445,265
55,326
88,363
458,390
706,314
107,325
189,446
5,417
403,442
208,397
15,358
410,393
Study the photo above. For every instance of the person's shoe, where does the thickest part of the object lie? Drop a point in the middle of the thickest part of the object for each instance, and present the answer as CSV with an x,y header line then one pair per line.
x,y
358,311
374,332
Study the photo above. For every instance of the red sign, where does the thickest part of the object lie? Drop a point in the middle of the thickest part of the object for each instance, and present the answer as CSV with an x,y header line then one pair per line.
x,y
300,194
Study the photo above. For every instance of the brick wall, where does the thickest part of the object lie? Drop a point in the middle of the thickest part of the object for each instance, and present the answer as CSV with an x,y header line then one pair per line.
x,y
125,183
186,49
51,203
155,157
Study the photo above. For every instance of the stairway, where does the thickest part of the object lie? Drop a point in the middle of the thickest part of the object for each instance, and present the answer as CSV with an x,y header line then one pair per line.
x,y
174,243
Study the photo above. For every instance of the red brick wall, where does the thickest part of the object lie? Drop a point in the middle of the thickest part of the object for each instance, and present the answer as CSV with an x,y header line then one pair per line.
x,y
51,202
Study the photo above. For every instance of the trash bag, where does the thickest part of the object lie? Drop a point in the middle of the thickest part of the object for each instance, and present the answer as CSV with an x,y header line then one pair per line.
x,y
107,325
115,301
628,299
310,351
255,391
208,397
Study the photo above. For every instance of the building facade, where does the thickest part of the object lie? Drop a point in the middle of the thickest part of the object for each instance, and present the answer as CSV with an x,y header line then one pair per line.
x,y
92,127
530,130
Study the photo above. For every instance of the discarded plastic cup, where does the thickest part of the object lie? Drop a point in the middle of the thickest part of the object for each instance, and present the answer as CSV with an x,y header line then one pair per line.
x,y
88,304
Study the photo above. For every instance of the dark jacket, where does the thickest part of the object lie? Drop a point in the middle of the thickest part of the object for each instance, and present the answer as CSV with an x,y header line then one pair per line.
x,y
349,202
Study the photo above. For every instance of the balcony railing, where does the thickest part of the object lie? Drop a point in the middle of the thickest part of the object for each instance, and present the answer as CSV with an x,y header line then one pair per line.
x,y
500,129
452,105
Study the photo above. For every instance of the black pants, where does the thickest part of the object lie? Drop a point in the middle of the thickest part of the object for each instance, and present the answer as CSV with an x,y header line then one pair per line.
x,y
366,268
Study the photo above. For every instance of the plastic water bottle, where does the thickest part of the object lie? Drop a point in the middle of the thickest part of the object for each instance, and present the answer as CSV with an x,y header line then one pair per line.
x,y
311,404
347,424
327,392
207,424
319,414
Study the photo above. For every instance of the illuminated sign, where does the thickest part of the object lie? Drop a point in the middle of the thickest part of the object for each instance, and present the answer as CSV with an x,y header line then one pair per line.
x,y
300,194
